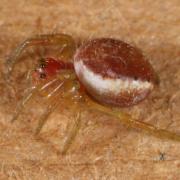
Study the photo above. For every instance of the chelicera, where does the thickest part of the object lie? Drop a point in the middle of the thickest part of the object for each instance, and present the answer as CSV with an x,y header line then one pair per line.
x,y
100,74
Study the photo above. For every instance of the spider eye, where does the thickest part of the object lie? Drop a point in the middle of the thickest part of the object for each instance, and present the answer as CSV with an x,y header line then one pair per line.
x,y
42,75
43,65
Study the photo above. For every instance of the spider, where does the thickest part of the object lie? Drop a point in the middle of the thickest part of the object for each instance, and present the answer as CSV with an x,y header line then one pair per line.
x,y
101,74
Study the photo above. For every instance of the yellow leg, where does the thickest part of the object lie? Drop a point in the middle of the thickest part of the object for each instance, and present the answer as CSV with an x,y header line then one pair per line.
x,y
127,120
65,42
23,102
48,111
28,96
72,133
54,98
54,101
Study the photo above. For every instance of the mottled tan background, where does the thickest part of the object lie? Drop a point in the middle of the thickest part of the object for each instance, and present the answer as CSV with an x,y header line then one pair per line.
x,y
104,149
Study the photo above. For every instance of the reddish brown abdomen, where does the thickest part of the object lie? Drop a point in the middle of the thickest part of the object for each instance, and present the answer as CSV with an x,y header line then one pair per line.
x,y
114,72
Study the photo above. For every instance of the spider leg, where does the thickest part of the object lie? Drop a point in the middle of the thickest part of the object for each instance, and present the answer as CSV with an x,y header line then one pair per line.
x,y
127,120
48,111
51,108
28,96
55,96
72,133
21,105
66,90
64,41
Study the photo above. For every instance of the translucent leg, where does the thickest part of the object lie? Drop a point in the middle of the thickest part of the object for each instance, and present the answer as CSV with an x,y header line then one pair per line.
x,y
67,93
54,99
72,133
48,111
51,108
28,96
21,105
130,122
64,41
51,97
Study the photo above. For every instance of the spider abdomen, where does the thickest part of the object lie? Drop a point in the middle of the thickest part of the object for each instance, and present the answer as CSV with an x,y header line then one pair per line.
x,y
114,72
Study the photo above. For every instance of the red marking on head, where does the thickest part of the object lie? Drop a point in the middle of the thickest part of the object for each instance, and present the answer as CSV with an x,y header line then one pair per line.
x,y
50,67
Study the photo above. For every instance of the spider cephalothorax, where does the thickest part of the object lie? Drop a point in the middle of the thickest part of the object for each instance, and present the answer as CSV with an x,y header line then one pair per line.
x,y
101,73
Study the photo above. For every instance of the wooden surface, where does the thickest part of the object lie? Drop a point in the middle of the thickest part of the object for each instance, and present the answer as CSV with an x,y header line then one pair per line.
x,y
104,149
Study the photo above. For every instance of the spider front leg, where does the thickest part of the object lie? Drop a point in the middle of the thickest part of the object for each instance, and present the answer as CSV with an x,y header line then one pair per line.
x,y
53,104
67,45
77,106
65,42
72,132
28,95
21,105
127,120
67,90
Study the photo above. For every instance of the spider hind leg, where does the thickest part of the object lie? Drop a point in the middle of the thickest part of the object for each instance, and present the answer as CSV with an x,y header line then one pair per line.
x,y
127,120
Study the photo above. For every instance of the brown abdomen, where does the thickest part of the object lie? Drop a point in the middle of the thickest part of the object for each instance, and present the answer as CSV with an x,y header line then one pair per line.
x,y
114,72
